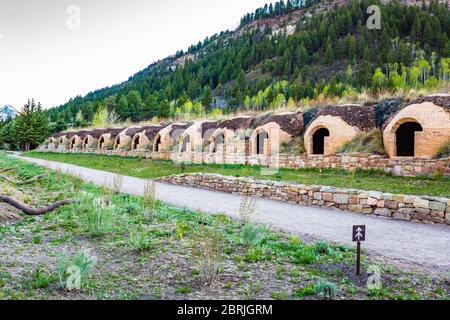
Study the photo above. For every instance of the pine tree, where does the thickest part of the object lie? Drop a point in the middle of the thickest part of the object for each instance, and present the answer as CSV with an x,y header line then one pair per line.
x,y
31,125
329,54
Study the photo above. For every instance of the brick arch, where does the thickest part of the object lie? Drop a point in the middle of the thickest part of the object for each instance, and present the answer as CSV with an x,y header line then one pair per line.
x,y
85,142
117,142
309,138
73,142
255,142
213,140
157,143
101,142
434,123
404,120
184,141
340,132
135,142
319,138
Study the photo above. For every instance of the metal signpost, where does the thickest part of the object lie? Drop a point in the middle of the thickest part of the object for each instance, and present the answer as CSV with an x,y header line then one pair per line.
x,y
359,235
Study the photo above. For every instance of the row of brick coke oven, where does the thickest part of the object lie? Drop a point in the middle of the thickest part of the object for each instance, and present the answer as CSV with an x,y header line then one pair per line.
x,y
412,136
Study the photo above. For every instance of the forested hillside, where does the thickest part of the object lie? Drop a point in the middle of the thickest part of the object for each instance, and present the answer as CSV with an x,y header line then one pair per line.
x,y
284,54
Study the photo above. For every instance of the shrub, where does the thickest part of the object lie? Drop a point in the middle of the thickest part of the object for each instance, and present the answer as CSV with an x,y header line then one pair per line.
x,y
254,254
369,142
133,208
305,255
72,273
208,247
322,247
140,241
325,289
98,220
149,201
305,291
40,279
252,235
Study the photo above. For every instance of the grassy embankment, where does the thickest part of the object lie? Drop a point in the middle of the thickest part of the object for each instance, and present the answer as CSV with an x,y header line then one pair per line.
x,y
365,180
143,249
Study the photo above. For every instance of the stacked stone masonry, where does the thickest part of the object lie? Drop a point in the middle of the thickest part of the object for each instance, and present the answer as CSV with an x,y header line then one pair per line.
x,y
419,209
399,167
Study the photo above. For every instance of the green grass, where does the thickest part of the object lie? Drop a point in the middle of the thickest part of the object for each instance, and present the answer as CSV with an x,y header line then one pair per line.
x,y
166,255
364,180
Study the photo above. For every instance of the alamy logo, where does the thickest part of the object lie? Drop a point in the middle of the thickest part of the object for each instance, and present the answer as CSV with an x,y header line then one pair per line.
x,y
73,21
374,279
73,281
374,21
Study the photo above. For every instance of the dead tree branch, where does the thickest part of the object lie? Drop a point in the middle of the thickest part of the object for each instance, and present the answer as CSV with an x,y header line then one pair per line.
x,y
32,211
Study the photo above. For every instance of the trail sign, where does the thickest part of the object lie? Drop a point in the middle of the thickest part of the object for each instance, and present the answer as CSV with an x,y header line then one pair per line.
x,y
359,233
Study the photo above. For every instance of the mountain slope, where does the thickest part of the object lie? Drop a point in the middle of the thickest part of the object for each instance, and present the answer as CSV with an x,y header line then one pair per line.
x,y
282,54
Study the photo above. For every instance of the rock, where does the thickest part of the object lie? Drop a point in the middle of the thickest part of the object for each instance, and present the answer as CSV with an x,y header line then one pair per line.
x,y
391,204
405,211
356,208
408,199
328,189
380,203
401,216
437,214
438,206
376,195
327,196
341,198
384,212
388,196
447,218
372,201
398,198
421,203
317,196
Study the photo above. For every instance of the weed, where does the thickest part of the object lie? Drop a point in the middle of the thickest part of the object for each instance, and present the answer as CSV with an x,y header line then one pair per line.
x,y
36,240
252,235
140,241
322,247
254,254
305,291
149,201
279,295
326,289
40,279
73,273
98,219
305,255
184,289
208,247
280,272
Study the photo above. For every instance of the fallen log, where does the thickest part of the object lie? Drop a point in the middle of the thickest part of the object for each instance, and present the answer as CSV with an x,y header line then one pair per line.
x,y
32,211
6,170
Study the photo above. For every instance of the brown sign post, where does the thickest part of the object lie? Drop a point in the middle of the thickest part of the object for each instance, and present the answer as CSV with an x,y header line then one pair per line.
x,y
359,235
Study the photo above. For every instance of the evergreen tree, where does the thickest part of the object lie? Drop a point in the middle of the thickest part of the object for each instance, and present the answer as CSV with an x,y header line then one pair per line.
x,y
31,126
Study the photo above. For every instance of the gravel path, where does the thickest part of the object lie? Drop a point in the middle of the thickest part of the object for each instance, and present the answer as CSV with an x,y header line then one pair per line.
x,y
423,245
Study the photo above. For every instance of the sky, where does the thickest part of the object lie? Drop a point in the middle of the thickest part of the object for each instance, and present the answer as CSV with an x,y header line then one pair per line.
x,y
54,50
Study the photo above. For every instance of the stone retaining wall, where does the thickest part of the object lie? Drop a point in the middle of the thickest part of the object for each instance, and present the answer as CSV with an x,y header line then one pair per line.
x,y
430,210
400,167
